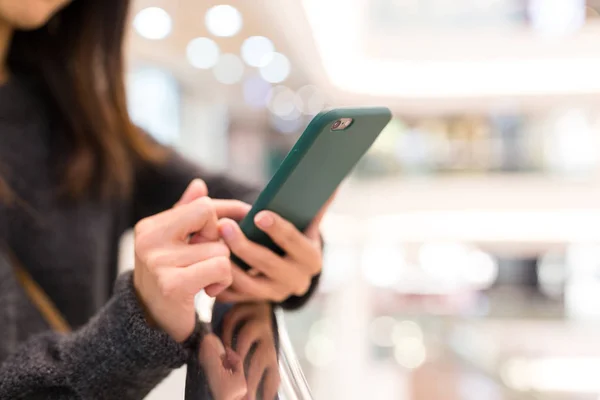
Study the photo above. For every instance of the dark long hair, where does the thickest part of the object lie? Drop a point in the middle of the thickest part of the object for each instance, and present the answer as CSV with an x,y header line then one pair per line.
x,y
77,59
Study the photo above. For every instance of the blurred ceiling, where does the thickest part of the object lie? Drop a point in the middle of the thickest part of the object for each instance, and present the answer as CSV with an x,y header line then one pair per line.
x,y
188,18
359,54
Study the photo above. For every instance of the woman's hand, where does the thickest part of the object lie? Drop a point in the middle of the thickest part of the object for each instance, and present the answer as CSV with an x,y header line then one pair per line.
x,y
273,277
170,270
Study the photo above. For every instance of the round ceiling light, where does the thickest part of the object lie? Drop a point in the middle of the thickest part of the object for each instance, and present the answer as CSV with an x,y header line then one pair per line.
x,y
202,53
229,69
223,20
283,103
313,100
277,69
257,51
153,23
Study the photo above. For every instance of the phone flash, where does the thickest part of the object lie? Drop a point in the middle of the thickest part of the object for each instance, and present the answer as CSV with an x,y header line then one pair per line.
x,y
341,124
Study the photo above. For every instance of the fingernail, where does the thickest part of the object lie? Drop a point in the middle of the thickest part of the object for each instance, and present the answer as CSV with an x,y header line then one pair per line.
x,y
227,231
264,220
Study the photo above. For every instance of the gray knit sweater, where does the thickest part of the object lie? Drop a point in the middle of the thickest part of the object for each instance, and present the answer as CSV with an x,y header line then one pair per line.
x,y
71,251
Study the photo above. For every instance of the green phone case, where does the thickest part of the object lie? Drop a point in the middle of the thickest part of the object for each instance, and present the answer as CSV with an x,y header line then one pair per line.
x,y
314,168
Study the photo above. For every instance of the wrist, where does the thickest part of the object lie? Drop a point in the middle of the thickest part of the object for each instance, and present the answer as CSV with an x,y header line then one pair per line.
x,y
150,321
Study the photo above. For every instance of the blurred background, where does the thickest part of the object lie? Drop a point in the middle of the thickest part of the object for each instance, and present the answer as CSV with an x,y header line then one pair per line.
x,y
463,254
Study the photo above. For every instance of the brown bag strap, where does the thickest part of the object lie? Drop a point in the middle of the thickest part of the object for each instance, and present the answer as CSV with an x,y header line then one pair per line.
x,y
39,298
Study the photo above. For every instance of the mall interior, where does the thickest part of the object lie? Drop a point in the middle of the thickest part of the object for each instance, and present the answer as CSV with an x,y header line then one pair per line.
x,y
462,257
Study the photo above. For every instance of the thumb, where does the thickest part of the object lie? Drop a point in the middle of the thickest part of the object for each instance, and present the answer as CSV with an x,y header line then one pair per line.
x,y
195,190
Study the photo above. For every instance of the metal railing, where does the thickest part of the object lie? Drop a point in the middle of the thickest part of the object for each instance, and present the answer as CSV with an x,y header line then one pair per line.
x,y
293,383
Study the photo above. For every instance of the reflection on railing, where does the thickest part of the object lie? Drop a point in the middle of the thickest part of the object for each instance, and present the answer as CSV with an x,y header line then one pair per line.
x,y
244,350
293,383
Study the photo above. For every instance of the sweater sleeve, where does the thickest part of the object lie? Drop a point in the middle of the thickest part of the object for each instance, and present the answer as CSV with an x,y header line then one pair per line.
x,y
115,355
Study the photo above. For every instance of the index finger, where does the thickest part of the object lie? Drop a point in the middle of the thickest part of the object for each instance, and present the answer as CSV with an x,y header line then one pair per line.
x,y
196,216
195,190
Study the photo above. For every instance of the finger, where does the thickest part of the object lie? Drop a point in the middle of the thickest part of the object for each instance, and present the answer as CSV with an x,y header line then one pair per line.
x,y
253,254
250,333
233,319
231,296
271,383
200,275
234,209
196,189
260,287
313,229
186,254
211,352
286,279
287,236
256,371
224,369
215,289
196,216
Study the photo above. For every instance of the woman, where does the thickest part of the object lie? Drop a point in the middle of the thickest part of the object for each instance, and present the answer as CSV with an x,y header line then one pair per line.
x,y
74,175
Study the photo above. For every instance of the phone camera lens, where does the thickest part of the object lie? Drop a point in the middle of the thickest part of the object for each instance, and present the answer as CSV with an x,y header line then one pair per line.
x,y
336,124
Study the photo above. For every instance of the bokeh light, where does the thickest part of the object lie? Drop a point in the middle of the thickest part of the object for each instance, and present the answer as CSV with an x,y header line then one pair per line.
x,y
556,17
312,100
552,274
223,20
406,329
277,69
284,103
410,352
257,51
320,350
321,327
229,69
383,266
153,23
202,53
256,92
480,269
443,260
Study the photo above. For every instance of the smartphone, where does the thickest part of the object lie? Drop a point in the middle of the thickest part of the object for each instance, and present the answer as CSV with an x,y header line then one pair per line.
x,y
331,145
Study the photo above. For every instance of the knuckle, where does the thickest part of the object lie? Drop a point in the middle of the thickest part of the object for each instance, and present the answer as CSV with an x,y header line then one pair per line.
x,y
223,266
155,259
205,203
222,250
143,227
144,236
287,234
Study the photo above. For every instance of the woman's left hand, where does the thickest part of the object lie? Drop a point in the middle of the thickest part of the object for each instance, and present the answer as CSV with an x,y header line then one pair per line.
x,y
273,277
